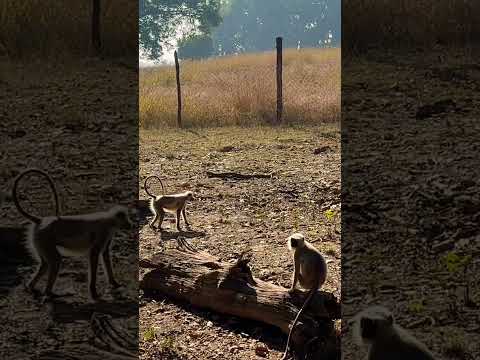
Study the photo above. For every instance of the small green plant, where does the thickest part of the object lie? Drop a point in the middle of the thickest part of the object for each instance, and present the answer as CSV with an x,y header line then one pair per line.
x,y
149,335
330,250
416,307
456,263
330,214
455,347
167,343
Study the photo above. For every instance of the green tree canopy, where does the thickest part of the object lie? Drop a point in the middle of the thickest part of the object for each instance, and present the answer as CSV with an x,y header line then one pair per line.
x,y
252,25
195,47
162,20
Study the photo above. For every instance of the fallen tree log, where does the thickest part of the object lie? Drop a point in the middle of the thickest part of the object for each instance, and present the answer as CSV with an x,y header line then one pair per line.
x,y
237,176
229,288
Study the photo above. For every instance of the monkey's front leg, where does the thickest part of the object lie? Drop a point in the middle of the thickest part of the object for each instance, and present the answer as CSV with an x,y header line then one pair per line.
x,y
107,264
295,276
93,263
179,214
185,217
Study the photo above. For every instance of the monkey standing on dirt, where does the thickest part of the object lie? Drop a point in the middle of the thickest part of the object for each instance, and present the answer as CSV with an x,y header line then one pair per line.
x,y
174,203
310,271
87,235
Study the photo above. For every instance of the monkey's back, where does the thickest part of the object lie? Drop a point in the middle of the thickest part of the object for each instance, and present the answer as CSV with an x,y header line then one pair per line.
x,y
400,346
312,267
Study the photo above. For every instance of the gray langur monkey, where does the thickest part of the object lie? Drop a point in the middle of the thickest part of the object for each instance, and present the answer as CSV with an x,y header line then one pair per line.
x,y
310,271
174,203
76,235
375,329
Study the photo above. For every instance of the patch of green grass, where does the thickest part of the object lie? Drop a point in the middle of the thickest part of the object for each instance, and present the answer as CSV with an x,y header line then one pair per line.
x,y
149,335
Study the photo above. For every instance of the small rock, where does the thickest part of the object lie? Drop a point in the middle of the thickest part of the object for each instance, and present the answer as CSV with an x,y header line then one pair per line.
x,y
321,149
261,350
227,148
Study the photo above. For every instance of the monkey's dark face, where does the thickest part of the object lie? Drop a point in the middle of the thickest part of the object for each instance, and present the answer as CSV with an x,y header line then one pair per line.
x,y
295,241
368,328
371,327
190,196
123,220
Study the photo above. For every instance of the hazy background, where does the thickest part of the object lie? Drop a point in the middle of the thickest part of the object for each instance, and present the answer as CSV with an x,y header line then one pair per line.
x,y
201,29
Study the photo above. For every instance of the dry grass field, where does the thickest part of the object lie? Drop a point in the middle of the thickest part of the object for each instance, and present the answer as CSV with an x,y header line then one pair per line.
x,y
47,28
402,23
241,90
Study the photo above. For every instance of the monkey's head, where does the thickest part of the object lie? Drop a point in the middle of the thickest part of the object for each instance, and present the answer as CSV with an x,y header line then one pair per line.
x,y
372,322
189,195
295,241
121,217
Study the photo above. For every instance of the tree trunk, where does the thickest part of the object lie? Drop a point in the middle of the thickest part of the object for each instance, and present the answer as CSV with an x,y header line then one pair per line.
x,y
230,288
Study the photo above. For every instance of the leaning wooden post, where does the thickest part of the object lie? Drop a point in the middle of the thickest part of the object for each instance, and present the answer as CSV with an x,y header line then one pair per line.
x,y
96,9
279,81
179,92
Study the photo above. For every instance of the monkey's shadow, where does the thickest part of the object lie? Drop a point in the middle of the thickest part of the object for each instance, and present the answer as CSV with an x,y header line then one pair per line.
x,y
67,312
174,235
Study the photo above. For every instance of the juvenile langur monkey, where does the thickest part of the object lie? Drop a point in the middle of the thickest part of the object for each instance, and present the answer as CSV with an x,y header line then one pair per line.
x,y
375,328
174,203
310,271
88,235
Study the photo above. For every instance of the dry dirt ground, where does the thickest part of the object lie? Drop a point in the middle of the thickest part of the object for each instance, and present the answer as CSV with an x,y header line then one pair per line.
x,y
70,119
410,196
231,216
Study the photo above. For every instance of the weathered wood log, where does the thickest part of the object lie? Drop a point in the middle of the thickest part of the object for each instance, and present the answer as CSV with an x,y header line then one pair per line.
x,y
237,176
229,288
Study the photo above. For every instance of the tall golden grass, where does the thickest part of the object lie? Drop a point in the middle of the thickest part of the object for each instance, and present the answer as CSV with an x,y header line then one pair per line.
x,y
241,90
31,28
407,23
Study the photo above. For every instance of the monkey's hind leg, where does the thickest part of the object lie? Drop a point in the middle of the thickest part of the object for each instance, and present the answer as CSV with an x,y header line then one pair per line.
x,y
185,217
92,273
53,269
41,270
107,264
162,216
155,218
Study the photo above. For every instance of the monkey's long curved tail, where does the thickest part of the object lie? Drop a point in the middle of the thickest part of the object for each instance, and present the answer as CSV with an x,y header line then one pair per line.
x,y
146,187
304,306
31,217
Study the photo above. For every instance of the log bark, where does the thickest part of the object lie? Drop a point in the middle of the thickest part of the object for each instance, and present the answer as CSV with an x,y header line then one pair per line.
x,y
229,288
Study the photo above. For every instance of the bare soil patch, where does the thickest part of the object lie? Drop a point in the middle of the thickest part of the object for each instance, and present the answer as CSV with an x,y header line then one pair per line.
x,y
234,215
51,119
410,171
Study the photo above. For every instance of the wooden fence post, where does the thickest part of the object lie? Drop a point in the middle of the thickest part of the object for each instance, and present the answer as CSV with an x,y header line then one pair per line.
x,y
179,93
96,10
279,80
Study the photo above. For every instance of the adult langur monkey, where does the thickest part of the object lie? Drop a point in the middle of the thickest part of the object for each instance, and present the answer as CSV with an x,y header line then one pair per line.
x,y
87,234
174,203
310,271
375,329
